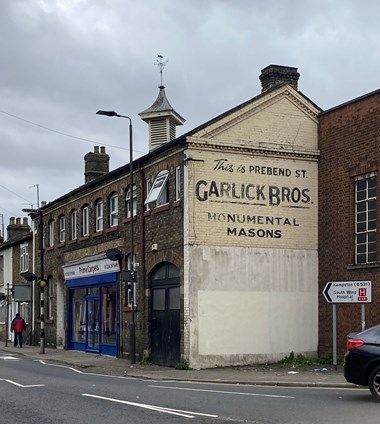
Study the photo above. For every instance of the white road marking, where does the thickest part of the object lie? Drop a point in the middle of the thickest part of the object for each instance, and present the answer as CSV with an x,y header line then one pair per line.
x,y
179,412
21,385
9,358
60,366
86,373
222,391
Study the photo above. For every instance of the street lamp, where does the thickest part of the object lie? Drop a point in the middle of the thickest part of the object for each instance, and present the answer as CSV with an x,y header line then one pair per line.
x,y
42,283
132,328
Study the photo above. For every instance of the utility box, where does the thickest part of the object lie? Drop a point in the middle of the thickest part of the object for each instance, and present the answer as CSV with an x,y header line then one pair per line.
x,y
22,292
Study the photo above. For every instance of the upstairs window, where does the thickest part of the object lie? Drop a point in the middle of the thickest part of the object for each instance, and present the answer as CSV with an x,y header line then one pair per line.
x,y
148,186
85,221
51,233
99,207
24,257
365,212
73,222
160,189
62,229
114,210
131,207
178,183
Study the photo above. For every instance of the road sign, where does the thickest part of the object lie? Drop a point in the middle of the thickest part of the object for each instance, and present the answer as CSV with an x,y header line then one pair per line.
x,y
348,292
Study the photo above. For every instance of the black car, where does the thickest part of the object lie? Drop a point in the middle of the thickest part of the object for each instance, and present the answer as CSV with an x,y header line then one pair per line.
x,y
362,359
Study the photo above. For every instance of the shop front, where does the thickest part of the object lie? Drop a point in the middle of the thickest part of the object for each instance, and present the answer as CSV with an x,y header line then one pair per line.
x,y
93,305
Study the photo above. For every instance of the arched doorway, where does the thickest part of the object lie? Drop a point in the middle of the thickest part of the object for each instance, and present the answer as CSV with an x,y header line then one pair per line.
x,y
165,315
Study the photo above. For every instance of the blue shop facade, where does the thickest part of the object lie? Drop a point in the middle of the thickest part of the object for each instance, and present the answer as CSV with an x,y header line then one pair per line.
x,y
93,305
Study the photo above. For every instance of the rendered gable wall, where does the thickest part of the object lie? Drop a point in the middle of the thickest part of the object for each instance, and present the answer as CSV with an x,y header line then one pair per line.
x,y
251,277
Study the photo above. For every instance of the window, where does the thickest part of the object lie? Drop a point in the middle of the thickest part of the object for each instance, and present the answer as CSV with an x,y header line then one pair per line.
x,y
129,264
365,211
114,210
148,186
129,295
62,229
99,215
160,189
73,220
178,183
24,258
128,201
85,221
50,289
51,233
1,269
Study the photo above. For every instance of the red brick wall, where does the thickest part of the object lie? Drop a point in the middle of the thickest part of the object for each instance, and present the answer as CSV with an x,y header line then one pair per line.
x,y
349,140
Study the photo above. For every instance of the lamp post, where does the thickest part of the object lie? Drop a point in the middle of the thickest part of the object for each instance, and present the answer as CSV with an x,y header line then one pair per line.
x,y
132,328
42,283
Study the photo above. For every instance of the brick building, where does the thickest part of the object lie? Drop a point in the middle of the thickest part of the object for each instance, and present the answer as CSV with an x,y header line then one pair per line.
x,y
348,237
15,257
225,239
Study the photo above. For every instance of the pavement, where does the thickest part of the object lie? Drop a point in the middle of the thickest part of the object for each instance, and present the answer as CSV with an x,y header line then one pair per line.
x,y
264,375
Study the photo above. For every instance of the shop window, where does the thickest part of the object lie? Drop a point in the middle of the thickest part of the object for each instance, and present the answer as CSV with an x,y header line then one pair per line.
x,y
78,304
114,210
365,213
99,207
24,257
73,223
62,229
131,207
109,312
159,192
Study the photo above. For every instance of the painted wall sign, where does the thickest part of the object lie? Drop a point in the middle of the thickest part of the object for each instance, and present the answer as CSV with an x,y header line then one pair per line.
x,y
266,199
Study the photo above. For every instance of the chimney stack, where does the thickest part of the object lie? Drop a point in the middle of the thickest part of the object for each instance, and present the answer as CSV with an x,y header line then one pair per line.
x,y
17,229
276,75
96,164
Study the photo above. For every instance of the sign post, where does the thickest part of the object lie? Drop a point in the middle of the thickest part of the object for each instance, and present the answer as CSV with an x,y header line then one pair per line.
x,y
347,292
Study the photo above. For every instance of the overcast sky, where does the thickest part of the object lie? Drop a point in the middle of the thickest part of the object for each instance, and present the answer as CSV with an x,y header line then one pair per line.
x,y
62,60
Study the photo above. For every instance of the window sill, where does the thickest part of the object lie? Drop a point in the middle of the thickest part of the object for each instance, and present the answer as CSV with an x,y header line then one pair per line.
x,y
358,267
112,229
147,213
84,238
98,234
161,208
177,203
62,244
50,248
129,219
72,241
129,309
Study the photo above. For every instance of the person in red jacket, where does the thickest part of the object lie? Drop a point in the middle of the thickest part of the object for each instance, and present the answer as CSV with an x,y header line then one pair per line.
x,y
18,326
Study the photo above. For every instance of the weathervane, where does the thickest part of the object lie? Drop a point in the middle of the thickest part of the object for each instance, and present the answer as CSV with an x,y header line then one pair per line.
x,y
161,64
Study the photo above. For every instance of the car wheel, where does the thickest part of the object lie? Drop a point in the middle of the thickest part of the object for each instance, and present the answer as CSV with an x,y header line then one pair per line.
x,y
374,383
